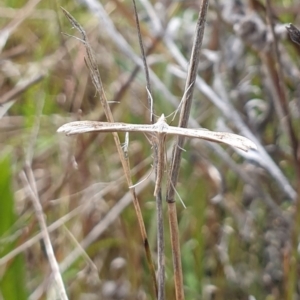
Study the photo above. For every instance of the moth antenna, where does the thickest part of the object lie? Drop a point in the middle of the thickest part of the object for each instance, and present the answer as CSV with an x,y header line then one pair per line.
x,y
180,103
147,177
151,102
148,139
178,195
182,149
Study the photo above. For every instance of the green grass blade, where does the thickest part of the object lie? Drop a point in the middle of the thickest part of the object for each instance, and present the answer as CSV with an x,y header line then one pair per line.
x,y
12,281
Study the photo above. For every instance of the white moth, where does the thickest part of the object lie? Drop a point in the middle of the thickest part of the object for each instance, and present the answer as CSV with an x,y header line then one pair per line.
x,y
161,128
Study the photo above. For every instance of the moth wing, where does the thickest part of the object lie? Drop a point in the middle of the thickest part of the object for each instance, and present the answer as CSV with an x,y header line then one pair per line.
x,y
231,139
78,127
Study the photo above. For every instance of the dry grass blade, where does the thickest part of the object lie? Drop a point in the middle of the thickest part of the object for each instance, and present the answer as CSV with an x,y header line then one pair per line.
x,y
96,79
29,181
158,151
287,122
176,156
20,89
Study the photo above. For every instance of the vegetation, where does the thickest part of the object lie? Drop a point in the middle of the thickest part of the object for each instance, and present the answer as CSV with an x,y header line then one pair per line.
x,y
239,232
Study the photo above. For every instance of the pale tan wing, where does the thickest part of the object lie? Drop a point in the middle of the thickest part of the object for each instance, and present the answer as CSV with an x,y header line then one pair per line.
x,y
79,127
231,139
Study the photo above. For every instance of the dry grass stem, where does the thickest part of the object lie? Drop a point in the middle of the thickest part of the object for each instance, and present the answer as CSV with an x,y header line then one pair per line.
x,y
29,182
96,79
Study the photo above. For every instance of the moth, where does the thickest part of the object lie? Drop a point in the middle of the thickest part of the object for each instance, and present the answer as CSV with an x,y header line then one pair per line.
x,y
160,129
